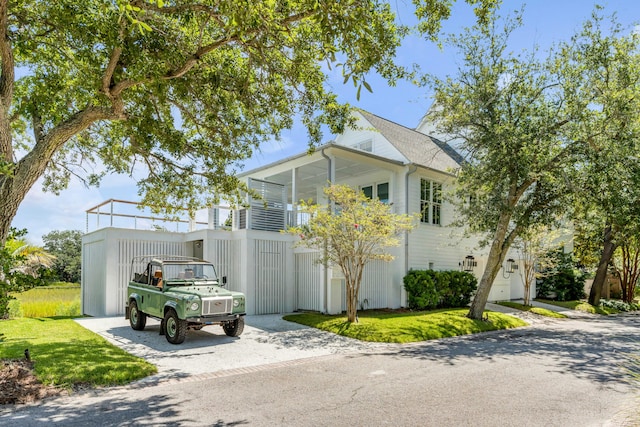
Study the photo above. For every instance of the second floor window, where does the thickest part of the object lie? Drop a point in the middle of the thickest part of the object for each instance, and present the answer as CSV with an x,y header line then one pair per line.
x,y
430,202
365,145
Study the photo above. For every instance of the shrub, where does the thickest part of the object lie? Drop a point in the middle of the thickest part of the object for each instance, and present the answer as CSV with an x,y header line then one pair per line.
x,y
455,288
428,289
563,279
619,305
421,289
14,310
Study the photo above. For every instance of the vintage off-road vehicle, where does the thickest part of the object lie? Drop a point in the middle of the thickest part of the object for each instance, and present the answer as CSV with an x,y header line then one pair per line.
x,y
183,293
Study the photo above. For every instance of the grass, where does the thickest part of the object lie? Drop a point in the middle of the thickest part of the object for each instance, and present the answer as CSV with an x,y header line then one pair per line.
x,y
537,310
60,299
581,306
66,354
404,327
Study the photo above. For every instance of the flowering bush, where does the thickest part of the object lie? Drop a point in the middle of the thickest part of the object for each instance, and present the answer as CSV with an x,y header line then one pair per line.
x,y
619,305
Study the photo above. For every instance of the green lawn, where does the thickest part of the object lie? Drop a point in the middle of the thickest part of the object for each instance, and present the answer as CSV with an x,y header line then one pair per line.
x,y
581,306
60,299
404,327
537,310
66,354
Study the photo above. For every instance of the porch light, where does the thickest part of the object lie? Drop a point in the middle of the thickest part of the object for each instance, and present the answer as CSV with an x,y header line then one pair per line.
x,y
468,263
511,266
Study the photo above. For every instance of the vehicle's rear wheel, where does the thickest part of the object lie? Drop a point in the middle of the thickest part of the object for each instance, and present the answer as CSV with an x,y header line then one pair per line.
x,y
234,328
137,319
175,328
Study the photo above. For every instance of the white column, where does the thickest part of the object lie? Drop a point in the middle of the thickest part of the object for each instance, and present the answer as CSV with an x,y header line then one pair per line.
x,y
294,196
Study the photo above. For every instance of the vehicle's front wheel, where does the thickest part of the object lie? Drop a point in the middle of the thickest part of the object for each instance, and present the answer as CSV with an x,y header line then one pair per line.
x,y
175,328
234,328
137,319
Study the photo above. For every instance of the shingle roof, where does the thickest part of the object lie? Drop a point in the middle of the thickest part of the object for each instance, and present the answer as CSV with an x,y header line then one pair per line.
x,y
417,147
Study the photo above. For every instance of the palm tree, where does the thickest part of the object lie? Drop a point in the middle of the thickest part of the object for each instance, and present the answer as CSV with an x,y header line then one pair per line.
x,y
31,258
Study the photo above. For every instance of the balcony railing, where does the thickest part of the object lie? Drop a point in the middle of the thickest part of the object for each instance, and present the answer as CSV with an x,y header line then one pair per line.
x,y
127,214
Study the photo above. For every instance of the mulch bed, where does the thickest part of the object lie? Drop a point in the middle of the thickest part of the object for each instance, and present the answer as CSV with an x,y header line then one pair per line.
x,y
18,384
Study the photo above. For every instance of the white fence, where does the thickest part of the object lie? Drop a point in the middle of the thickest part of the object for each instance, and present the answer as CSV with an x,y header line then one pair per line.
x,y
261,264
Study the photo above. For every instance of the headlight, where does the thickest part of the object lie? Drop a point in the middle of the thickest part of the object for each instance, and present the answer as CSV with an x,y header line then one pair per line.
x,y
194,306
236,302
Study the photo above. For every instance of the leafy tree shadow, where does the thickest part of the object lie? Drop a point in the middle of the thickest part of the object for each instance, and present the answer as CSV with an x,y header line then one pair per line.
x,y
156,410
601,356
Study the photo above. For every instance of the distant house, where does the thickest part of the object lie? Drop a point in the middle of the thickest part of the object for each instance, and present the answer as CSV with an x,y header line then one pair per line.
x,y
401,166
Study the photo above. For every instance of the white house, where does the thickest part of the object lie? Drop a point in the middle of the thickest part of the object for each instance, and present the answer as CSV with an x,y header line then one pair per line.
x,y
402,166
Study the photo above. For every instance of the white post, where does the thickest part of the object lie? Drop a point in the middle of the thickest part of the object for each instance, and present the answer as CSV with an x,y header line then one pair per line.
x,y
294,197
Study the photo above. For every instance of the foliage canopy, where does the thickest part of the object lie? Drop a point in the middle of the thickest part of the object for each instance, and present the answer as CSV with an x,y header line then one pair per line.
x,y
176,93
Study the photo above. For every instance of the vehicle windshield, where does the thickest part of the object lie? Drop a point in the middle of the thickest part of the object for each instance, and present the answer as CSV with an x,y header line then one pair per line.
x,y
189,272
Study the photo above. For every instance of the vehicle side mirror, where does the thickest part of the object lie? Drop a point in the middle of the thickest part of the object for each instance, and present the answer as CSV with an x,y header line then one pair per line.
x,y
224,281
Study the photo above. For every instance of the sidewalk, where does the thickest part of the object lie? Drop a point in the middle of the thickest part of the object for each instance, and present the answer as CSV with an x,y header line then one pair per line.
x,y
573,314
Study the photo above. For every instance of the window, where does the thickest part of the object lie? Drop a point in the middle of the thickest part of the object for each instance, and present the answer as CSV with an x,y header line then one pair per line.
x,y
365,145
368,191
430,202
381,191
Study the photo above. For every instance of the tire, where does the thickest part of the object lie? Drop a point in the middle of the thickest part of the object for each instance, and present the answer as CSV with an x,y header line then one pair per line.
x,y
234,328
175,328
137,319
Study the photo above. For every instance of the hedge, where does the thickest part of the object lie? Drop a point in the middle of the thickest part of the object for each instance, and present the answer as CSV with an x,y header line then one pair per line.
x,y
429,289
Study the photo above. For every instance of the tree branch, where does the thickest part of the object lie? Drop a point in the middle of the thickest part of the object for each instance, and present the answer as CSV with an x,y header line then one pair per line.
x,y
7,79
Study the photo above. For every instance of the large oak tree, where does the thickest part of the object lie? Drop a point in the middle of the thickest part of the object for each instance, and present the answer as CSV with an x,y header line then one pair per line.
x,y
606,181
176,92
536,131
508,111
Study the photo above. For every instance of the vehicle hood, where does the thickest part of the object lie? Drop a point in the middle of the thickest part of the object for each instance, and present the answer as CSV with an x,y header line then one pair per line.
x,y
204,291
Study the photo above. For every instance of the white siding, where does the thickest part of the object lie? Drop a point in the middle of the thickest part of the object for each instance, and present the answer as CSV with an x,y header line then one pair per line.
x,y
129,248
270,279
376,280
381,146
93,277
309,282
225,255
106,260
438,244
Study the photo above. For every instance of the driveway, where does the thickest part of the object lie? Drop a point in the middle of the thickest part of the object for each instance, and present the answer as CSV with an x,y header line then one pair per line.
x,y
266,340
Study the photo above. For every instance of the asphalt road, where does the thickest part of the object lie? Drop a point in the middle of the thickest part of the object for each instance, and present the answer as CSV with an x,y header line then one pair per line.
x,y
571,372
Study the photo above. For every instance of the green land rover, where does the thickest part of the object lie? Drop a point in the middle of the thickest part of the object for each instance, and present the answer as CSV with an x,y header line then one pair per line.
x,y
183,293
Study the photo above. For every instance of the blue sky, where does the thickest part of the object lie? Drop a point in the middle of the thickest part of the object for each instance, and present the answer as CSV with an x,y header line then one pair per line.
x,y
545,23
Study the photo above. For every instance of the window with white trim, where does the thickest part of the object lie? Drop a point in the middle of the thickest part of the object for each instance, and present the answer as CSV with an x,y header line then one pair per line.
x,y
365,145
430,202
380,191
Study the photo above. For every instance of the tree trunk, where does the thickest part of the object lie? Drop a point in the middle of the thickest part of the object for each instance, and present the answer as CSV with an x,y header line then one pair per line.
x,y
601,273
499,248
351,303
630,272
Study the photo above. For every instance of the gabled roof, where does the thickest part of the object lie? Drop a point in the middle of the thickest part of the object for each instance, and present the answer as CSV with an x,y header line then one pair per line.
x,y
417,147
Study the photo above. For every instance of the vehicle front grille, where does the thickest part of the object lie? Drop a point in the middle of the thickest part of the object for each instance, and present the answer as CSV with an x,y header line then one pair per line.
x,y
220,305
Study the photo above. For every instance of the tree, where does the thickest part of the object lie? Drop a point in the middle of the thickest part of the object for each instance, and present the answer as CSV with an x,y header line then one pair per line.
x,y
178,93
20,266
357,233
607,180
533,248
509,112
627,266
66,246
